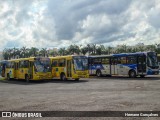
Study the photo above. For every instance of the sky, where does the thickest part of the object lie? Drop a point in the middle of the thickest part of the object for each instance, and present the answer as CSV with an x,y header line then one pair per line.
x,y
60,23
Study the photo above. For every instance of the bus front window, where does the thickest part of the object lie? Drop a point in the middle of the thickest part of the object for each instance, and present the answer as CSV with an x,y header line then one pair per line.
x,y
80,63
42,65
152,60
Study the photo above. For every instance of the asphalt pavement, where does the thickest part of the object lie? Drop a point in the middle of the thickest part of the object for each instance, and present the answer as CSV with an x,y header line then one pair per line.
x,y
92,94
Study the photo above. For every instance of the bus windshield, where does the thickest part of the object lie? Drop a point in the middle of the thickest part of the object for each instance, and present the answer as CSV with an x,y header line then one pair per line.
x,y
152,59
42,65
80,63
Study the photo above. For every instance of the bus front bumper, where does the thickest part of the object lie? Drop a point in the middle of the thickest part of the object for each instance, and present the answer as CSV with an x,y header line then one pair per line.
x,y
153,72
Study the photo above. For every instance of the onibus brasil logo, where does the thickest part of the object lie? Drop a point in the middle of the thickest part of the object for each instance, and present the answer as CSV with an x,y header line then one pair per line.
x,y
21,114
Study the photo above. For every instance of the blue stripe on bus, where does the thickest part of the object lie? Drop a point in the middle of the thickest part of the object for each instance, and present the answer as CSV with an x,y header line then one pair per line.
x,y
96,66
149,72
132,66
127,54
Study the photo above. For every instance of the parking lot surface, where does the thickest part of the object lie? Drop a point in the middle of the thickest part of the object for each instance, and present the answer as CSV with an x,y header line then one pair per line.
x,y
92,94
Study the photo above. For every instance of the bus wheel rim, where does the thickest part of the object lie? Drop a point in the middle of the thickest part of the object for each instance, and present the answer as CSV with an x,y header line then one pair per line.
x,y
132,74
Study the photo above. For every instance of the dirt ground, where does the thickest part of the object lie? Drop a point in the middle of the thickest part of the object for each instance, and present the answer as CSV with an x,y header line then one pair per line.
x,y
93,94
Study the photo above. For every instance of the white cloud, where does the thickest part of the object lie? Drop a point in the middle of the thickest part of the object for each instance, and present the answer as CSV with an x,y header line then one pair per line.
x,y
59,23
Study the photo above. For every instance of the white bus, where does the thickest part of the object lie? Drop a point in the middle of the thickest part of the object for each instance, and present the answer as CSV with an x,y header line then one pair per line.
x,y
131,64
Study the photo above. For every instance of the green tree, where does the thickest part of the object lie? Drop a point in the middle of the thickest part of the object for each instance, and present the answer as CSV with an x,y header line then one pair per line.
x,y
24,52
74,49
84,50
53,53
157,48
33,51
109,49
43,52
6,54
62,51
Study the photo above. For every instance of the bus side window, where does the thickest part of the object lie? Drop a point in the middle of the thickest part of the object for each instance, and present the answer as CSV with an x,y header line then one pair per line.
x,y
115,61
55,63
61,63
12,64
26,64
20,64
97,61
7,65
118,60
131,60
17,65
105,60
123,60
90,61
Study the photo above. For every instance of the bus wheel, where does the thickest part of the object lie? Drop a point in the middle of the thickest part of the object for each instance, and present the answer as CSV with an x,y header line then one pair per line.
x,y
27,78
142,76
77,79
132,74
8,77
98,73
63,77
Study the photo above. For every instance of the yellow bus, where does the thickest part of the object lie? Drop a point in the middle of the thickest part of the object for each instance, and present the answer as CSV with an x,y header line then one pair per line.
x,y
34,68
69,67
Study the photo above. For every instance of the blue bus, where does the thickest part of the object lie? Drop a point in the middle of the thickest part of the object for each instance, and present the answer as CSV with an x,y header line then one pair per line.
x,y
131,64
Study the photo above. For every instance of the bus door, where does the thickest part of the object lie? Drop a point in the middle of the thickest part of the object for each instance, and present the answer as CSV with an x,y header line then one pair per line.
x,y
55,68
113,67
69,68
20,70
91,66
31,69
3,69
120,65
16,70
141,64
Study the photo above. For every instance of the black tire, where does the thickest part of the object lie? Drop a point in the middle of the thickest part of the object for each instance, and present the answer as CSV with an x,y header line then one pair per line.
x,y
8,77
98,73
77,79
63,77
132,74
142,76
27,78
108,75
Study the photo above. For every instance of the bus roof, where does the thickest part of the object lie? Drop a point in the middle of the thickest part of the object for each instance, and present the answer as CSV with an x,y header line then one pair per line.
x,y
3,61
67,56
99,56
120,54
21,59
126,54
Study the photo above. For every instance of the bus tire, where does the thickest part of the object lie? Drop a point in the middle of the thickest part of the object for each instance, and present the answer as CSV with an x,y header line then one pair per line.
x,y
63,77
142,76
77,79
27,78
8,76
98,73
132,74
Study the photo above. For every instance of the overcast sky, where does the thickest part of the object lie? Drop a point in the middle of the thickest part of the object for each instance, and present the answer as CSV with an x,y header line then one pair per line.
x,y
60,23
